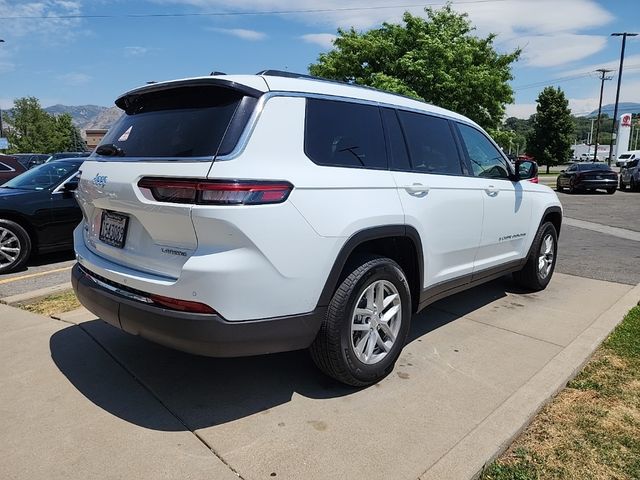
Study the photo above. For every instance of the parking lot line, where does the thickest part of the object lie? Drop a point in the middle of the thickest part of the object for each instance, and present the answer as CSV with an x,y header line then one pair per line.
x,y
598,227
32,275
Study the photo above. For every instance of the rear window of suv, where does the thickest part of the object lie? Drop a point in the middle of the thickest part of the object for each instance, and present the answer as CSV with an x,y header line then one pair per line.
x,y
344,134
182,122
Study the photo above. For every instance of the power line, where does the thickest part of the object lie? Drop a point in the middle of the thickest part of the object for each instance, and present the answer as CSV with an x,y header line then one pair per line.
x,y
238,13
568,78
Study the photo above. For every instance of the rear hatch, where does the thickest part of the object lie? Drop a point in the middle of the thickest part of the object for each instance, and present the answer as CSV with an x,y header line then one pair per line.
x,y
173,130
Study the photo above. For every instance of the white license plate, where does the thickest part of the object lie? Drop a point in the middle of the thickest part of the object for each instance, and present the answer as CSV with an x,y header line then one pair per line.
x,y
113,229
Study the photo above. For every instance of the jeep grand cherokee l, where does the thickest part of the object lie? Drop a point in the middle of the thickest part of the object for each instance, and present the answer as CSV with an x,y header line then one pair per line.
x,y
242,215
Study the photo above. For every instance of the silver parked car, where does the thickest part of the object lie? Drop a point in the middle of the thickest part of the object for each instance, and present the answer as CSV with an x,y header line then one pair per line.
x,y
630,175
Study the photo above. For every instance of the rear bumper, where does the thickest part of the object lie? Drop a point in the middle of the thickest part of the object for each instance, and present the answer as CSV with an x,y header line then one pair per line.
x,y
604,183
201,334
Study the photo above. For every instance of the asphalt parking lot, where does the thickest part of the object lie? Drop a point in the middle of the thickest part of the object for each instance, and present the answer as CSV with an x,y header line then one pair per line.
x,y
601,251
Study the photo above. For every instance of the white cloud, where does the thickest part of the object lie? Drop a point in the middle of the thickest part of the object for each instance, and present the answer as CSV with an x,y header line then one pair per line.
x,y
244,34
135,51
631,66
520,110
325,40
75,79
554,50
536,24
54,29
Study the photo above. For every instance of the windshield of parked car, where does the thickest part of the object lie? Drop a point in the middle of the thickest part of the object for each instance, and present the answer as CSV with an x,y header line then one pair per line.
x,y
43,177
594,166
623,156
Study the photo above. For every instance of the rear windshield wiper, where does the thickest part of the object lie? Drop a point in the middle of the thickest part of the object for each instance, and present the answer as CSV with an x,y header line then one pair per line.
x,y
110,150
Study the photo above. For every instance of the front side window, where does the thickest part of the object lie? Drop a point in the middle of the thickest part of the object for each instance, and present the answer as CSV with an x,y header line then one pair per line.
x,y
486,160
344,134
432,148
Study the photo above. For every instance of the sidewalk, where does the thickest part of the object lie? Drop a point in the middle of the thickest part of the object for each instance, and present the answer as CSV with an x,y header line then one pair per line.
x,y
83,400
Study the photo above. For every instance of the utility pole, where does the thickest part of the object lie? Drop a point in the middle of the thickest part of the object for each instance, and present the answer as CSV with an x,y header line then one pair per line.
x,y
624,36
603,77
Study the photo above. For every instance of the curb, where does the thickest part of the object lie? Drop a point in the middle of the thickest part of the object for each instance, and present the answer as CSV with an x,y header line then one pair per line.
x,y
35,295
469,457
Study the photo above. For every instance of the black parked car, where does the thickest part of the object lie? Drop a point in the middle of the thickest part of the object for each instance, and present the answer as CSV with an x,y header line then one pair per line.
x,y
38,212
588,176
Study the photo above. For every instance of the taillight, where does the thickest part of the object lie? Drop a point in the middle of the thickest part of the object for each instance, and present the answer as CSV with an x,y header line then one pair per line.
x,y
216,192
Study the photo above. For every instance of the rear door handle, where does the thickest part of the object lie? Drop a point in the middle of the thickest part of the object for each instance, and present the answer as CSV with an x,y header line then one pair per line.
x,y
416,188
492,191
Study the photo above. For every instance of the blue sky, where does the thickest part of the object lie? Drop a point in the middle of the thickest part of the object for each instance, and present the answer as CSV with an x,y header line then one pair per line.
x,y
91,61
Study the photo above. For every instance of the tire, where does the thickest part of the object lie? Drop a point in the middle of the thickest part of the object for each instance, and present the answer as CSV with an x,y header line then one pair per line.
x,y
558,187
632,185
533,276
611,190
622,185
336,348
15,246
572,188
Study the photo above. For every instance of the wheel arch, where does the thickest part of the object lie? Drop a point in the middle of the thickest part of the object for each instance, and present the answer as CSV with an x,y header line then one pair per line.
x,y
401,243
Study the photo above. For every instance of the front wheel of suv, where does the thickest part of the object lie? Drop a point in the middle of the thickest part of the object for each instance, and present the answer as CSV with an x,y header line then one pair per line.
x,y
541,263
366,324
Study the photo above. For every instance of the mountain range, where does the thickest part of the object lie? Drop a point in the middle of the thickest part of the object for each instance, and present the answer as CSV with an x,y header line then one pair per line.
x,y
88,116
623,107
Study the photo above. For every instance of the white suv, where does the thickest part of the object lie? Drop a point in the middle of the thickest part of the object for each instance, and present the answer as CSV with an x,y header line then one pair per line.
x,y
242,215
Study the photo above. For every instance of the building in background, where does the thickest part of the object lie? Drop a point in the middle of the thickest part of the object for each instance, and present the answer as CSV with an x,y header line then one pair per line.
x,y
94,136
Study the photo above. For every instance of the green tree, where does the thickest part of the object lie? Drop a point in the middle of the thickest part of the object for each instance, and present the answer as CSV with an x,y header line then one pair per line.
x,y
551,137
437,59
33,130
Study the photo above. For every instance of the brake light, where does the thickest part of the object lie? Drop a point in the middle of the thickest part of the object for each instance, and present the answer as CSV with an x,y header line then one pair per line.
x,y
181,305
216,192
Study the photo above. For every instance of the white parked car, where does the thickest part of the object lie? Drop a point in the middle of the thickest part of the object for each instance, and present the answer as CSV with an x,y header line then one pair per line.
x,y
242,215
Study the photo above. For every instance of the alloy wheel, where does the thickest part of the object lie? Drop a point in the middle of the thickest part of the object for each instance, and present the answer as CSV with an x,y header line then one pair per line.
x,y
376,321
545,257
10,247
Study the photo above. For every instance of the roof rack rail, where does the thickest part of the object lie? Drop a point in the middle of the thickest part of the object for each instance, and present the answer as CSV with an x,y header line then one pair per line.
x,y
281,73
215,72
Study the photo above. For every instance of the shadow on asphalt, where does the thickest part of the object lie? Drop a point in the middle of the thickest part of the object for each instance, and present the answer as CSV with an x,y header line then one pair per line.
x,y
203,391
46,259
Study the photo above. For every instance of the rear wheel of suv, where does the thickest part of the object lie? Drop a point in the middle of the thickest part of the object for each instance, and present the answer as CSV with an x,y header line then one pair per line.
x,y
541,263
632,185
15,246
611,190
366,324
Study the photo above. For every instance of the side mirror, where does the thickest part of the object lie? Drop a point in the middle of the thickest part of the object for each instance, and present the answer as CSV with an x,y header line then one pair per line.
x,y
71,185
562,171
526,169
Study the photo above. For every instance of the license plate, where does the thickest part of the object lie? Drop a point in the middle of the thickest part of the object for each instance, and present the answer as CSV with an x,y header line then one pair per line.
x,y
598,177
113,229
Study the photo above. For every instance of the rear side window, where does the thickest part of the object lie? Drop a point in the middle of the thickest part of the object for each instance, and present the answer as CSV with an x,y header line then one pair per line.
x,y
344,134
432,148
181,123
5,168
